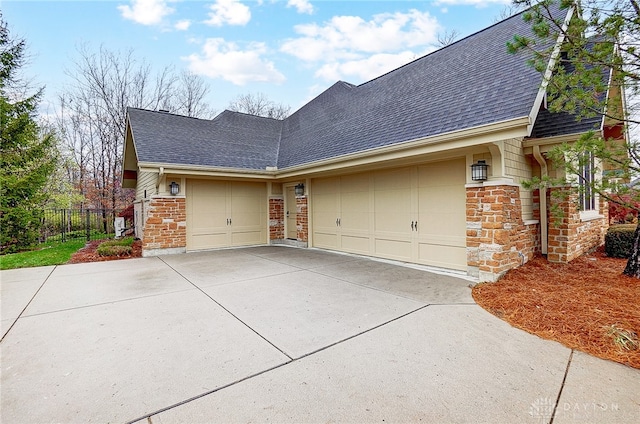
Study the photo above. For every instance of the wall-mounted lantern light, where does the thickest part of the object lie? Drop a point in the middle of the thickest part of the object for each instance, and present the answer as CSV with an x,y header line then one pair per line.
x,y
479,171
299,190
174,188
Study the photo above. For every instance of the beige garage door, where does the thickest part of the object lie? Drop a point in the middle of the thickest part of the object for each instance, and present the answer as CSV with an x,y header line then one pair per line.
x,y
224,214
415,214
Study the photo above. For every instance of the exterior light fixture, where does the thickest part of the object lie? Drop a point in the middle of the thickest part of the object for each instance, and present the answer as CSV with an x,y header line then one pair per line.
x,y
479,171
299,190
174,188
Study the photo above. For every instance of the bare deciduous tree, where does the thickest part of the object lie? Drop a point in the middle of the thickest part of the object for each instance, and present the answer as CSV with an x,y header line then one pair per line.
x,y
92,114
190,96
260,105
447,37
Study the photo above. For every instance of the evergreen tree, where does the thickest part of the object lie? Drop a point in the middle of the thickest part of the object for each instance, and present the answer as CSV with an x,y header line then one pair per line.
x,y
25,155
595,73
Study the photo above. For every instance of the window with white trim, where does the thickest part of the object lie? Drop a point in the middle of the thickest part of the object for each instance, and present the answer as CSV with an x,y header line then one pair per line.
x,y
587,175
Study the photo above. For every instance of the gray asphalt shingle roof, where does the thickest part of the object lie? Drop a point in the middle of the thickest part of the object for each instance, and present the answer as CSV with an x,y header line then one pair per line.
x,y
469,83
560,123
230,140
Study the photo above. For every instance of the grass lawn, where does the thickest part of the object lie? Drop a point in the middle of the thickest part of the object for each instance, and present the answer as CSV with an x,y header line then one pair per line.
x,y
47,254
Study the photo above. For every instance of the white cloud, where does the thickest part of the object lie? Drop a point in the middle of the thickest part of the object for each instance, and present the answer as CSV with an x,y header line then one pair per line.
x,y
302,6
146,12
182,25
349,45
365,69
229,12
222,59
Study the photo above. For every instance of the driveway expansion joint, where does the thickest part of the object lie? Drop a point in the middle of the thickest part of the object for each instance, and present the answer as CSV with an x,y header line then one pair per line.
x,y
564,379
228,311
28,303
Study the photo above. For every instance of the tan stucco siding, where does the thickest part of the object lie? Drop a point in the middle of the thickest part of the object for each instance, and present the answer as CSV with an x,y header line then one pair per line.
x,y
146,181
518,167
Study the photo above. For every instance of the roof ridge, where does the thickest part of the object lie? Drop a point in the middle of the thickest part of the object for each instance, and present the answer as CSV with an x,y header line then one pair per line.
x,y
159,112
249,114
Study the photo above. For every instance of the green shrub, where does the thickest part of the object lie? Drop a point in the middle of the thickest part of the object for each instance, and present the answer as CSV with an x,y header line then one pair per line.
x,y
113,250
120,247
618,242
126,241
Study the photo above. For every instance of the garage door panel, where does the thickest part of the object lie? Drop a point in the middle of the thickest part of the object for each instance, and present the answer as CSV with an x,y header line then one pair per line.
x,y
393,249
325,210
246,238
355,244
444,256
443,240
442,214
354,211
392,180
358,183
248,213
393,211
325,240
208,241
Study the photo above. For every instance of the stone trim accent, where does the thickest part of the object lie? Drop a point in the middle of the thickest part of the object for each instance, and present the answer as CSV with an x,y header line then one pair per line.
x,y
165,229
276,218
302,218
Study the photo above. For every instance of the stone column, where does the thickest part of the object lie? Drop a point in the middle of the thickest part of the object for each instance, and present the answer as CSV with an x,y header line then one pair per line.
x,y
276,218
302,219
497,238
165,230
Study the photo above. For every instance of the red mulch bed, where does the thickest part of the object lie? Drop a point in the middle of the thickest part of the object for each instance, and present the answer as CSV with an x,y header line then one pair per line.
x,y
575,303
88,253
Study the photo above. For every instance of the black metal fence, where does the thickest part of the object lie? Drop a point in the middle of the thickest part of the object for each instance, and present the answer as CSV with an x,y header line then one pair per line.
x,y
68,224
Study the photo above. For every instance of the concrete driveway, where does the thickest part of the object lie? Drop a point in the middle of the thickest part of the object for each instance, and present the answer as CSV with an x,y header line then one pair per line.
x,y
278,334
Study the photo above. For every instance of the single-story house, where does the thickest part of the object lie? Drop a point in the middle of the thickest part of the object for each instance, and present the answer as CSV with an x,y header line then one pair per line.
x,y
391,168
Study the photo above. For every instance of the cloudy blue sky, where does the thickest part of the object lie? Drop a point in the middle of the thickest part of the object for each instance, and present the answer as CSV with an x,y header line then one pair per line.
x,y
290,50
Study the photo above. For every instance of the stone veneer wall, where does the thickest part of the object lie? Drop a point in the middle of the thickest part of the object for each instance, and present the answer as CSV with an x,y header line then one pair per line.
x,y
165,230
497,237
276,218
569,236
302,219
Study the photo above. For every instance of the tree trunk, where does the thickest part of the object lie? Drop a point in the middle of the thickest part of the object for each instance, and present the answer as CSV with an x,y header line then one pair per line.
x,y
633,265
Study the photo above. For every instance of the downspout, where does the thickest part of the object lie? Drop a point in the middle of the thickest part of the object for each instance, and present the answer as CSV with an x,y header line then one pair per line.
x,y
543,200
